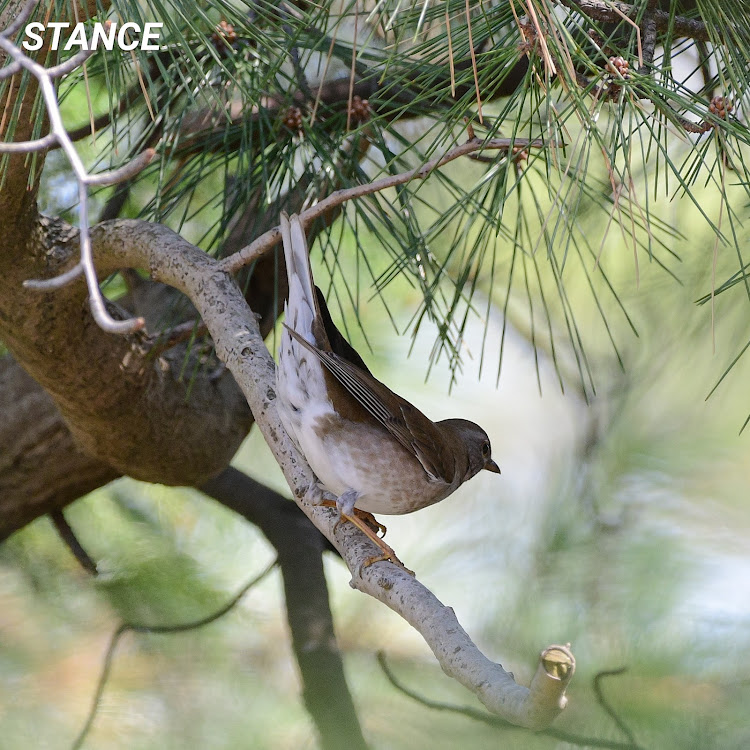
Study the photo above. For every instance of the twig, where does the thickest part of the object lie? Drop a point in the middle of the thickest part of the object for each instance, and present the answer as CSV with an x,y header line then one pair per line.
x,y
599,693
9,70
57,71
613,10
491,719
26,147
157,630
68,536
269,239
59,134
125,172
182,332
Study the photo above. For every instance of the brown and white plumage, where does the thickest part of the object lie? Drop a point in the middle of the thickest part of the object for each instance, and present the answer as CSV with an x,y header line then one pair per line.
x,y
371,448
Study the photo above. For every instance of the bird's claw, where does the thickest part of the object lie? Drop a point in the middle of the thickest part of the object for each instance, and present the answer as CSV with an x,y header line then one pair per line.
x,y
386,557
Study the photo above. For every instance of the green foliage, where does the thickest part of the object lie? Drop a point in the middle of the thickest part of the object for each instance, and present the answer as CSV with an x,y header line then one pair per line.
x,y
623,143
617,226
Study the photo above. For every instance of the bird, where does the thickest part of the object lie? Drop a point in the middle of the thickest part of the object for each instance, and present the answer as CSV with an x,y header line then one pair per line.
x,y
370,449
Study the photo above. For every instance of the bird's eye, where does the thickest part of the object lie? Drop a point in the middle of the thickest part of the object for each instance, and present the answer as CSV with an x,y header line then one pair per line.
x,y
485,450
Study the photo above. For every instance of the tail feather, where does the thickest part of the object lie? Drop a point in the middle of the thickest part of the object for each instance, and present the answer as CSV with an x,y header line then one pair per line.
x,y
303,313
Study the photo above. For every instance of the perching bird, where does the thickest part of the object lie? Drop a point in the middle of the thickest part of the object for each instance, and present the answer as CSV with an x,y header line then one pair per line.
x,y
368,446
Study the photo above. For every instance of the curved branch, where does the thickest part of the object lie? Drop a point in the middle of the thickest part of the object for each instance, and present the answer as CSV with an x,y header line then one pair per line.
x,y
267,240
495,721
234,329
58,133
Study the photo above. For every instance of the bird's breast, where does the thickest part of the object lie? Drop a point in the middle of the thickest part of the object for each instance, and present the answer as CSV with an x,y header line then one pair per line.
x,y
348,455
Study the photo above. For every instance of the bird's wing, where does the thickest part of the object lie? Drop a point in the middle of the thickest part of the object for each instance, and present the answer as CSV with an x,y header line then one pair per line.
x,y
339,345
412,429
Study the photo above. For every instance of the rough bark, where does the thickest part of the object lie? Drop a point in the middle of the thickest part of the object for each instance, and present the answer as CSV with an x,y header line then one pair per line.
x,y
41,467
156,416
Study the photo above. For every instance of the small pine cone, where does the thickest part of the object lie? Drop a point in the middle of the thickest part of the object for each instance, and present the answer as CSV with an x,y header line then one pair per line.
x,y
359,110
528,38
720,107
619,65
224,37
520,154
292,119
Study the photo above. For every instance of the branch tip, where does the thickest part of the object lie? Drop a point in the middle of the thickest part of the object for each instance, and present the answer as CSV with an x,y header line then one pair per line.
x,y
58,282
558,662
122,327
125,172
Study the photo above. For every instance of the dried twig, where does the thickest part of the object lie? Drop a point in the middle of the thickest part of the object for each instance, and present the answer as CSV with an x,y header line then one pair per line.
x,y
68,536
58,134
497,721
157,630
272,237
599,693
182,332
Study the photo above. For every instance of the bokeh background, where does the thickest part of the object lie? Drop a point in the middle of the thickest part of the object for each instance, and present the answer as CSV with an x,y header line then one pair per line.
x,y
620,524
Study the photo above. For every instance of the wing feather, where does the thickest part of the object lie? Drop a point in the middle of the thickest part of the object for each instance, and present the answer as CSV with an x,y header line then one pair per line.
x,y
409,426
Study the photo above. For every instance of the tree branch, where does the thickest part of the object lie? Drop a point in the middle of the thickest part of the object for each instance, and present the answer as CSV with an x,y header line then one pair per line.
x,y
234,329
612,11
299,546
266,241
41,467
71,540
495,721
45,77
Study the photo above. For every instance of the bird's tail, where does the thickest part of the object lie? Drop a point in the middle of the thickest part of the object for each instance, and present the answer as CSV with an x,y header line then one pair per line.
x,y
302,313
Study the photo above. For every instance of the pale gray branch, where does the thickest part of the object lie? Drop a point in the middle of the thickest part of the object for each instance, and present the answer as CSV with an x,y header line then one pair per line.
x,y
26,147
59,134
174,261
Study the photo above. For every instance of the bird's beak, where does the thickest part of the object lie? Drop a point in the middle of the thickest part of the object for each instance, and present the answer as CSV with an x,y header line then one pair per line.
x,y
490,465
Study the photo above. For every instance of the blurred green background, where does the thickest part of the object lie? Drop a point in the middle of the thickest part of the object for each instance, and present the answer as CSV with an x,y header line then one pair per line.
x,y
620,526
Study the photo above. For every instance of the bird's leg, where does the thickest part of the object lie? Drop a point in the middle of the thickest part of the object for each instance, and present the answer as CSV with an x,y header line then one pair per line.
x,y
345,502
329,500
364,521
317,496
345,505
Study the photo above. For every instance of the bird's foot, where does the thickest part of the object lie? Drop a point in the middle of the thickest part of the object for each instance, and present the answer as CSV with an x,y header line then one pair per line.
x,y
372,522
363,515
330,501
365,522
345,502
387,552
317,496
386,557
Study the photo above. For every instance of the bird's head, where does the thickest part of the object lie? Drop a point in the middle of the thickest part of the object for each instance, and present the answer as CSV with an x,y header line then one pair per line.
x,y
475,442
